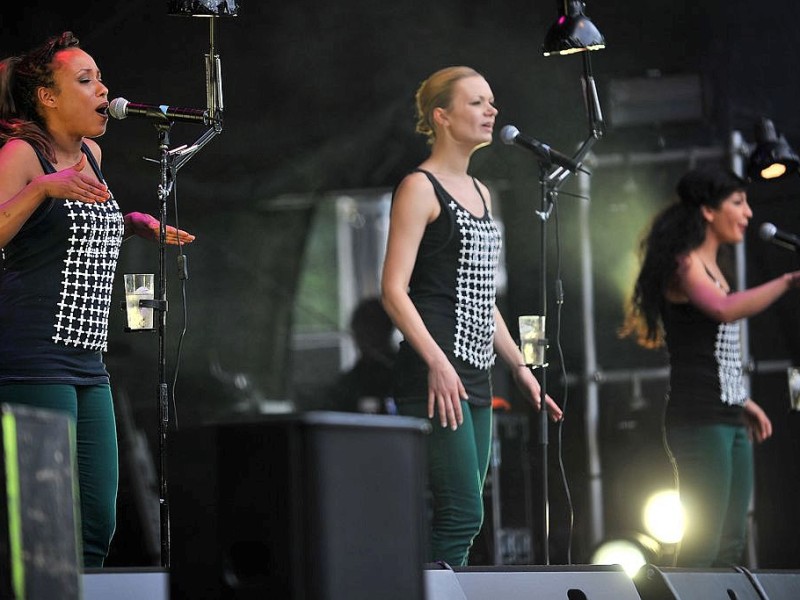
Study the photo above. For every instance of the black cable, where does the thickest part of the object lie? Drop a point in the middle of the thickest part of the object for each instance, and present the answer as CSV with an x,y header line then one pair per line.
x,y
560,349
183,276
755,582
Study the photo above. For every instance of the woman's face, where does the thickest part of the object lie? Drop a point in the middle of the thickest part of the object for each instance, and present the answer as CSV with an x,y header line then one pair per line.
x,y
78,101
471,114
729,220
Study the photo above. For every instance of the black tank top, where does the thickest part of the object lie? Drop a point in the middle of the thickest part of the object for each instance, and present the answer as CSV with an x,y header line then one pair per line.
x,y
453,288
705,383
55,290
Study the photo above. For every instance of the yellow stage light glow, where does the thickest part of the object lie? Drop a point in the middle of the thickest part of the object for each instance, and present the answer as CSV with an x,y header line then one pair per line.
x,y
664,517
626,553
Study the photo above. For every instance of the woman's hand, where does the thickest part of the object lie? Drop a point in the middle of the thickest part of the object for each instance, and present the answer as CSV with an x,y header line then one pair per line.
x,y
71,184
529,386
759,427
147,227
445,393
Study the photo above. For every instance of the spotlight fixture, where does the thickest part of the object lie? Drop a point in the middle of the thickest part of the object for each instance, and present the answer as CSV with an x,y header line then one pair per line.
x,y
772,157
572,32
203,8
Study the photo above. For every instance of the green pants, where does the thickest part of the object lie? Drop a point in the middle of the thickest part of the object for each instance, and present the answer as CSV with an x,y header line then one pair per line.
x,y
715,481
92,408
457,465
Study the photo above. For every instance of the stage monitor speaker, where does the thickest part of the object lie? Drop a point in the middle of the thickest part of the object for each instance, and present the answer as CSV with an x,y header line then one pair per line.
x,y
39,511
442,584
586,582
311,506
778,584
671,583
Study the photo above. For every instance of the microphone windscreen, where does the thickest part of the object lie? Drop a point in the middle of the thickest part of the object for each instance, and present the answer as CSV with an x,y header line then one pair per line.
x,y
508,134
117,108
767,231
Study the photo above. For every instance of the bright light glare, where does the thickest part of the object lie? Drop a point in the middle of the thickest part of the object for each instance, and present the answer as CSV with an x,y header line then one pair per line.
x,y
773,171
620,552
664,517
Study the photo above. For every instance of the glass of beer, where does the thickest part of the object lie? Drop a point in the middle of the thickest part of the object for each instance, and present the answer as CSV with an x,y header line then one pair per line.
x,y
532,339
139,286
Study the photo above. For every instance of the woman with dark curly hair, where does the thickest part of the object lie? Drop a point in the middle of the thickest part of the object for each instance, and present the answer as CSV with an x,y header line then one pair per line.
x,y
60,235
682,298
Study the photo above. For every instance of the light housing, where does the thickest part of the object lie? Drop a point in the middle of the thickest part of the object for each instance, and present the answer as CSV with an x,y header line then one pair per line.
x,y
203,8
773,157
572,32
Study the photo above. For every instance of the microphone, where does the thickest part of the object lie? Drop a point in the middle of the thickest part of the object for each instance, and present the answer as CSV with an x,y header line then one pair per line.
x,y
119,108
511,135
770,233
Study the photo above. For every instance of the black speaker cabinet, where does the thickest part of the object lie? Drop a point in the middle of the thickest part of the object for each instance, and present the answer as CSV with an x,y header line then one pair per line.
x,y
587,582
669,583
304,506
39,511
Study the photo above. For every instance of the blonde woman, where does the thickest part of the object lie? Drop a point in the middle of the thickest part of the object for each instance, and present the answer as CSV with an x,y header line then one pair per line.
x,y
439,289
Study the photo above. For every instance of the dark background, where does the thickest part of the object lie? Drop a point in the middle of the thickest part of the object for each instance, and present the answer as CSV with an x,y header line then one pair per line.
x,y
319,97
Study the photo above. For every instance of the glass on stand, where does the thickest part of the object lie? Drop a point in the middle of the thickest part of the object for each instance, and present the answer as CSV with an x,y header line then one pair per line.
x,y
139,286
793,380
532,339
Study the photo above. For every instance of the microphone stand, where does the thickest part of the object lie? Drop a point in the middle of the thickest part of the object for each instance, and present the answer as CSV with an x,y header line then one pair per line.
x,y
170,161
549,184
164,187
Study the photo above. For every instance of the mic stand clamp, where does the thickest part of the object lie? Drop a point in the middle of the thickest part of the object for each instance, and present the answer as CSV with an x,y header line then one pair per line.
x,y
159,305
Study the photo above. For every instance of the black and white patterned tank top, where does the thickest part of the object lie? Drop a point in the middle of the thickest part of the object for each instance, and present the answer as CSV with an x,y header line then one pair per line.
x,y
453,287
57,278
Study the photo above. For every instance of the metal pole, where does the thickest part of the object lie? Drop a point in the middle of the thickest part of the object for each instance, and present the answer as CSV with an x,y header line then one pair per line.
x,y
592,410
737,151
544,506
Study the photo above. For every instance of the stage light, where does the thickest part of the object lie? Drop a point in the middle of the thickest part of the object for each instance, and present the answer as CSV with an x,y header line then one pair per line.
x,y
203,8
572,32
663,517
631,552
772,157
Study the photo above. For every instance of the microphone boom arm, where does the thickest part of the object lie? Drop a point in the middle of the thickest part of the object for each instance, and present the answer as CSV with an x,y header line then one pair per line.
x,y
596,123
214,101
195,148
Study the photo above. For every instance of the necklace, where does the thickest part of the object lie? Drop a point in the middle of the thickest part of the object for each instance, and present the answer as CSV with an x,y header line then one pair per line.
x,y
713,277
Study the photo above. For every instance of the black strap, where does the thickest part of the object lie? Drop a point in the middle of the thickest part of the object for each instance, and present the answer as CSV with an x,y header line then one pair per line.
x,y
437,184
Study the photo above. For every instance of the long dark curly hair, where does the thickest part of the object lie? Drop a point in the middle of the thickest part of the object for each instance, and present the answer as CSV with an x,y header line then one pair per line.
x,y
673,233
20,78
